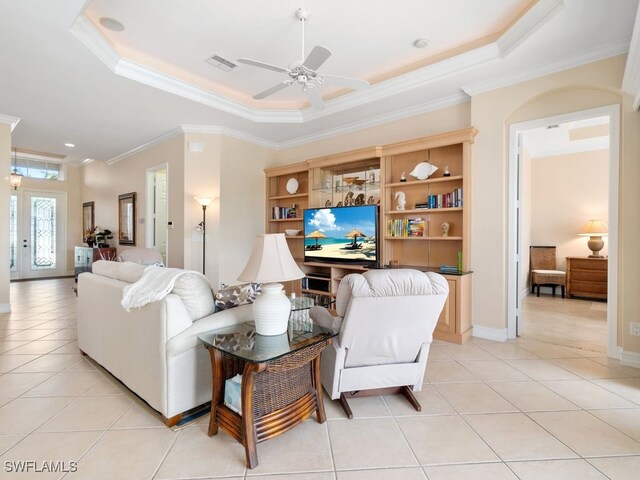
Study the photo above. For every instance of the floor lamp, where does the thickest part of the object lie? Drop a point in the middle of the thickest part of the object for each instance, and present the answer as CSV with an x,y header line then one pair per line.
x,y
203,201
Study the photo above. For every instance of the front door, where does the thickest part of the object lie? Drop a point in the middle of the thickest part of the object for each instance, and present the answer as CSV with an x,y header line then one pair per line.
x,y
38,234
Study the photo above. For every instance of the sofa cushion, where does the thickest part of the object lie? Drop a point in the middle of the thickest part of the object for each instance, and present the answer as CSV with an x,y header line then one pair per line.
x,y
236,295
129,272
195,292
144,256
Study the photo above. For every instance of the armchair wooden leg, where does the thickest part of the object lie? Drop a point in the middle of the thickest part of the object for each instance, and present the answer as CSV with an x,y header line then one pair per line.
x,y
554,291
562,290
345,406
537,290
406,391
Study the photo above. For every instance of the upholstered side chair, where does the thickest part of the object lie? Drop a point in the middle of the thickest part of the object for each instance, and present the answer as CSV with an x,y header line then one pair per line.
x,y
385,319
542,264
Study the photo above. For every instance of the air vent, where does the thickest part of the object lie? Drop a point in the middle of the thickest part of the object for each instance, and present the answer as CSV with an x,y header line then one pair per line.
x,y
221,63
550,127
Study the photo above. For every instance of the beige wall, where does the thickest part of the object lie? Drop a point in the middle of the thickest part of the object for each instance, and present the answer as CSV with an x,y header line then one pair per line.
x,y
5,162
568,191
103,183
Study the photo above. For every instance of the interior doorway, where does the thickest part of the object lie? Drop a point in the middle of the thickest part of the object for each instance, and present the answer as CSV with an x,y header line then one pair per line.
x,y
584,127
37,234
157,210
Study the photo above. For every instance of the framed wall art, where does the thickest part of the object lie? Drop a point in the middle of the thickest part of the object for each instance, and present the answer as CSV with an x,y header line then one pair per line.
x,y
127,219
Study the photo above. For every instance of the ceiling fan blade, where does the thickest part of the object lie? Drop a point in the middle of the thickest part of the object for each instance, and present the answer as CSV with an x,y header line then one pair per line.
x,y
314,97
347,82
271,91
268,66
317,57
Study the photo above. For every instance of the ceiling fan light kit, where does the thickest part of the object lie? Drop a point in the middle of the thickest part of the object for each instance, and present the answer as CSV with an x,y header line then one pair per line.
x,y
305,74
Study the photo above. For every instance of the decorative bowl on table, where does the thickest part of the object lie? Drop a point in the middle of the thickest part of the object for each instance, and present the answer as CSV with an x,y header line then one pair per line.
x,y
291,232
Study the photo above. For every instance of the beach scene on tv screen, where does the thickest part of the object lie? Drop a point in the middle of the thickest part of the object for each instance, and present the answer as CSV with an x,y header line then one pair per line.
x,y
347,233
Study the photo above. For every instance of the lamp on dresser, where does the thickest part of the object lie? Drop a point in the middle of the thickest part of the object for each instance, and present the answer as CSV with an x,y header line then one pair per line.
x,y
595,230
271,262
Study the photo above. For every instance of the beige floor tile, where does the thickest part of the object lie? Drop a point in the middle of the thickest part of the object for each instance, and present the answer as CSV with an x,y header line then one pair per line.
x,y
66,384
431,402
39,347
357,444
448,372
196,455
23,415
585,434
71,347
585,368
63,334
541,370
106,386
119,454
473,398
6,332
506,351
49,363
309,443
383,474
88,413
444,439
15,384
363,407
332,408
618,468
8,441
587,395
437,353
547,350
493,371
477,471
138,416
467,351
615,365
514,436
628,388
556,470
29,334
303,476
532,397
7,346
626,420
52,447
9,362
83,364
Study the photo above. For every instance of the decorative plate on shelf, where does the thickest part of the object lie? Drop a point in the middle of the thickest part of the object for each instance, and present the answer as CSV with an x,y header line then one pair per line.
x,y
292,186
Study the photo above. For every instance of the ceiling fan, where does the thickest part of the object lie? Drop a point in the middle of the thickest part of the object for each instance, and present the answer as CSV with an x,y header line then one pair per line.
x,y
305,73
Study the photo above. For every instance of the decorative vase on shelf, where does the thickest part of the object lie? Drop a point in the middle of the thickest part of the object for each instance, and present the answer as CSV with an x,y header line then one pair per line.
x,y
90,243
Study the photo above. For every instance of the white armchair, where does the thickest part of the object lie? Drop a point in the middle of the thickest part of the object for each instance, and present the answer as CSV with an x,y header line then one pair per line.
x,y
386,320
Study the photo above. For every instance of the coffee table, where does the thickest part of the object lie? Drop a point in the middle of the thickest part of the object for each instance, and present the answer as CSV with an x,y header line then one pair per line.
x,y
280,381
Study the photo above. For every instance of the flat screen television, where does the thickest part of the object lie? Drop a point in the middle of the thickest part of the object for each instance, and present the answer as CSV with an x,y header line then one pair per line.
x,y
342,235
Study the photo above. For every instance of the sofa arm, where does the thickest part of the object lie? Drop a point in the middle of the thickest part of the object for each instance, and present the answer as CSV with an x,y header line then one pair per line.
x,y
188,338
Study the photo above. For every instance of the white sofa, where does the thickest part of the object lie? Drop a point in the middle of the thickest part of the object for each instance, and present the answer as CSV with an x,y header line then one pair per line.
x,y
153,350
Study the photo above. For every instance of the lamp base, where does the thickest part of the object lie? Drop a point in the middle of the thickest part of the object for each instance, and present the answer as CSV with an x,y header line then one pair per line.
x,y
595,244
271,310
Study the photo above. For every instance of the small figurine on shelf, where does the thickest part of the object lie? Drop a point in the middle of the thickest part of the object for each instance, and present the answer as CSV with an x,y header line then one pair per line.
x,y
403,178
372,177
370,200
327,204
446,172
445,228
292,211
401,200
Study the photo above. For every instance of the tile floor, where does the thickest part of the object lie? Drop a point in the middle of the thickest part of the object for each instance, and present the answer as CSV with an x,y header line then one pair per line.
x,y
523,409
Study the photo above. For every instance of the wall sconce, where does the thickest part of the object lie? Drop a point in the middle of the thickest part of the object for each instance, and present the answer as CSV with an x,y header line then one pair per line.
x,y
595,230
202,226
15,178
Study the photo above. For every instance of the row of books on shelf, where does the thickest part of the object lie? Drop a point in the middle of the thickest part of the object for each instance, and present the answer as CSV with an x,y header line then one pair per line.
x,y
406,227
278,213
322,300
445,200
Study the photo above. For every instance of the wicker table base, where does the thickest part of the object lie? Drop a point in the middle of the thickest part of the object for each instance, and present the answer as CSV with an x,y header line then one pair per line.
x,y
276,395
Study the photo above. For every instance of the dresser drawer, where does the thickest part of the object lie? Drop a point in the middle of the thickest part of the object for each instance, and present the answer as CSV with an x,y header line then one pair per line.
x,y
589,275
589,264
578,288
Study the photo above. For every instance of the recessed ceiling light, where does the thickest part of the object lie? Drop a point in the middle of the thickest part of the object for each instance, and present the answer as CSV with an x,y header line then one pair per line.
x,y
111,24
420,43
70,145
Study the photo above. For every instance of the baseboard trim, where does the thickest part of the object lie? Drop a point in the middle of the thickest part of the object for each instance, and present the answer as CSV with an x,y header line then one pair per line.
x,y
5,308
630,359
488,333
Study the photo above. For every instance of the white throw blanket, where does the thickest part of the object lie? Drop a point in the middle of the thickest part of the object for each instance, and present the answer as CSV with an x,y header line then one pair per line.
x,y
155,284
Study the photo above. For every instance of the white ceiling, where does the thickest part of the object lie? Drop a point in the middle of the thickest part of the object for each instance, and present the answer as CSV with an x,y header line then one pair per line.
x,y
107,92
566,138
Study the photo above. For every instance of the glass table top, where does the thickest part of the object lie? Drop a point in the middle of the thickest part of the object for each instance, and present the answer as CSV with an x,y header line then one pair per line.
x,y
243,342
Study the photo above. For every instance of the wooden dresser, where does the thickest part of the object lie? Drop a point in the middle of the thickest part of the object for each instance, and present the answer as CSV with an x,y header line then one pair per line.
x,y
587,277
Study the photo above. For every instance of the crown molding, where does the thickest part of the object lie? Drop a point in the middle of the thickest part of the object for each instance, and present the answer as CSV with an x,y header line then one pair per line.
x,y
13,121
590,56
166,136
631,79
229,132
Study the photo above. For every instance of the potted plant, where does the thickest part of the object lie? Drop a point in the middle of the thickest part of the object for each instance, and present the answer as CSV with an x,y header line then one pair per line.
x,y
90,237
102,237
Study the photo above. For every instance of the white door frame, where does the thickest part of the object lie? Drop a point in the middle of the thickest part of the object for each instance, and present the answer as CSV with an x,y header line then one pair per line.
x,y
61,235
613,112
149,226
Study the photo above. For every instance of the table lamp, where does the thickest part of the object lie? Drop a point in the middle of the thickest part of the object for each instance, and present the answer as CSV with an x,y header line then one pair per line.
x,y
270,263
595,230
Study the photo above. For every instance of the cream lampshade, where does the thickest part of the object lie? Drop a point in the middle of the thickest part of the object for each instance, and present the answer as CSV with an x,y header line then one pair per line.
x,y
595,230
270,263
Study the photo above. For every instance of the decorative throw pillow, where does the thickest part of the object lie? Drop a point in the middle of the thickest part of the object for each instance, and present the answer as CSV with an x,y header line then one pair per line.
x,y
236,295
194,290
